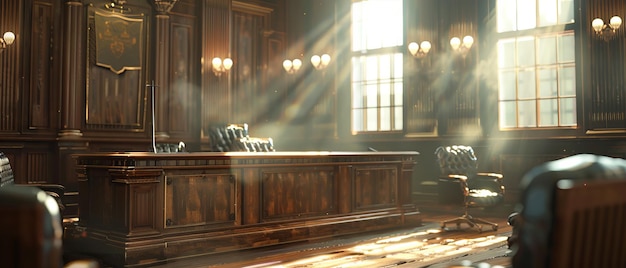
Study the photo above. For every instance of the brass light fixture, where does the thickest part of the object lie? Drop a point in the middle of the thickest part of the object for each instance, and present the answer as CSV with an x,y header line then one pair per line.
x,y
462,46
221,66
6,40
421,50
320,62
292,66
604,31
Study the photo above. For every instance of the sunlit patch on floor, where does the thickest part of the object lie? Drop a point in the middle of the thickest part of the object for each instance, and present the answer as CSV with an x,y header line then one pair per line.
x,y
408,248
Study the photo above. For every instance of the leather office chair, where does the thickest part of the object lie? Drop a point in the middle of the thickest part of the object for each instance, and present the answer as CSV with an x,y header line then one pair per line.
x,y
461,184
235,138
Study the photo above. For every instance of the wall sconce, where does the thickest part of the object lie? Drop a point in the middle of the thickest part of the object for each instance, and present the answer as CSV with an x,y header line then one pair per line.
x,y
462,47
6,40
221,66
320,62
292,66
604,31
419,51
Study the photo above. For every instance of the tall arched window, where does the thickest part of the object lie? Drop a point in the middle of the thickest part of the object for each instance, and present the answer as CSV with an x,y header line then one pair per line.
x,y
377,65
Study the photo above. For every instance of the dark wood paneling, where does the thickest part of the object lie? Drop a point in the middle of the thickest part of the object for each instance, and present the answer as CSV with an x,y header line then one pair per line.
x,y
299,193
199,199
40,88
606,69
215,36
182,102
10,12
375,187
116,101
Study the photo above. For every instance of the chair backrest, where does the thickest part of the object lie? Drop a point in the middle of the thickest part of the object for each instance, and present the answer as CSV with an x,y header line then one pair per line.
x,y
30,228
235,138
6,173
573,214
457,159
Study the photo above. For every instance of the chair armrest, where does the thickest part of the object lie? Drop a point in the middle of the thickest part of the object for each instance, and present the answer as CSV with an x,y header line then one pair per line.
x,y
462,179
56,188
489,175
57,191
492,181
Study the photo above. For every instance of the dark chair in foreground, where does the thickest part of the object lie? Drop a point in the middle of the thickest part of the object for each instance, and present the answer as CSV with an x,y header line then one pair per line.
x,y
573,214
461,184
30,227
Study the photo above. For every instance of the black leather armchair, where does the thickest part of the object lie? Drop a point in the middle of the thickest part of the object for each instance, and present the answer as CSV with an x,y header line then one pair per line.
x,y
235,138
461,184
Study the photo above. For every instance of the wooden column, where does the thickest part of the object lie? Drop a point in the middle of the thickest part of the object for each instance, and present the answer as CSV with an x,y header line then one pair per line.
x,y
162,60
73,69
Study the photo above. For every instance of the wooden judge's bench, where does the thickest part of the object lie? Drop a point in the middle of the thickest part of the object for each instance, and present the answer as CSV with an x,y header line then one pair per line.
x,y
145,208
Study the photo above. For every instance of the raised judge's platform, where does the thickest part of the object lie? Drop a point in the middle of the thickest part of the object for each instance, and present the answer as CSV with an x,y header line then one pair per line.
x,y
138,209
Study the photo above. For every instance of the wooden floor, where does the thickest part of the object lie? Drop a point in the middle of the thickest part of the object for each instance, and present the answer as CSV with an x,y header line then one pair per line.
x,y
417,246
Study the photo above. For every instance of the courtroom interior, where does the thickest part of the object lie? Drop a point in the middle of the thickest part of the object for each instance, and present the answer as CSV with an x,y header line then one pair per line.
x,y
232,133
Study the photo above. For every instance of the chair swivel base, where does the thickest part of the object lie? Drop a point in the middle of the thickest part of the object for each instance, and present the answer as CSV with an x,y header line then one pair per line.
x,y
471,221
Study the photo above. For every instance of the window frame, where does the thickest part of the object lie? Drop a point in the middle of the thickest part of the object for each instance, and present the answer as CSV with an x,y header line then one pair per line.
x,y
536,33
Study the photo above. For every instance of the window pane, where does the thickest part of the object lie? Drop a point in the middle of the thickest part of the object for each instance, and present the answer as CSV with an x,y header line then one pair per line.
x,y
567,81
506,15
526,85
508,114
385,95
398,119
526,15
546,50
526,51
385,67
385,122
391,26
527,114
386,31
548,113
372,119
547,12
357,120
568,112
566,11
507,85
357,96
397,94
547,83
506,53
371,68
371,99
566,51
